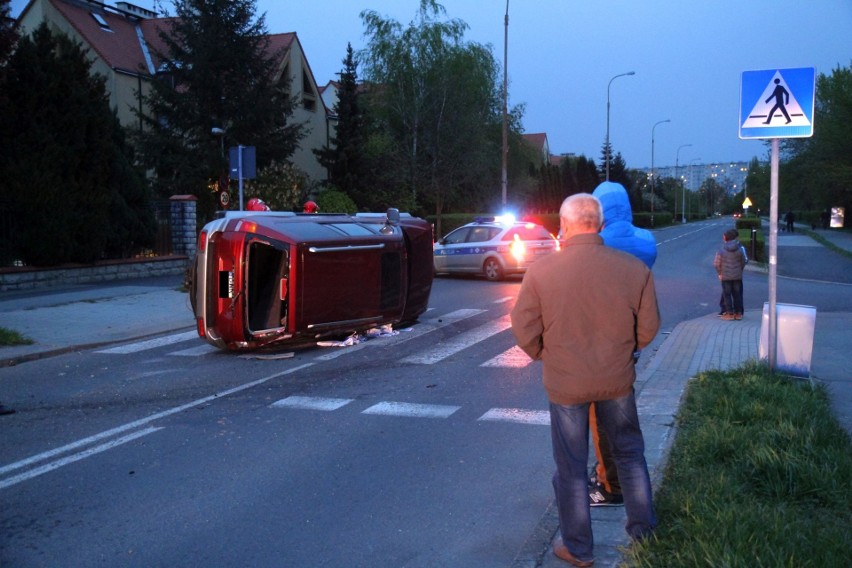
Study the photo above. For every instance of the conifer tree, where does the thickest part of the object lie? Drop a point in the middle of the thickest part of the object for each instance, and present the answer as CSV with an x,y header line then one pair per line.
x,y
344,156
217,70
66,170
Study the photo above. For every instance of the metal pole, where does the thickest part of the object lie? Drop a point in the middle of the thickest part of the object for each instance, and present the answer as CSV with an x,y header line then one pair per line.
x,y
773,255
652,168
504,175
680,181
607,148
240,166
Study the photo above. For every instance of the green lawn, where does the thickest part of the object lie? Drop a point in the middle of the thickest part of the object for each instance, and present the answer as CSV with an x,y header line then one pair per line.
x,y
760,474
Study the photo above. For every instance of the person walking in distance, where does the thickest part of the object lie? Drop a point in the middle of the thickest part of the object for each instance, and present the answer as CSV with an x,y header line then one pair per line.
x,y
729,262
782,99
790,219
618,232
584,311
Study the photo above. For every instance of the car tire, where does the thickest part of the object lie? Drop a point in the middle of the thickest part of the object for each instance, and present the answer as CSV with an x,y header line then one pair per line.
x,y
492,269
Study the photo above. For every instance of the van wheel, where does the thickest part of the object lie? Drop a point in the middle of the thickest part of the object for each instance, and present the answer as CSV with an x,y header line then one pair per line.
x,y
492,269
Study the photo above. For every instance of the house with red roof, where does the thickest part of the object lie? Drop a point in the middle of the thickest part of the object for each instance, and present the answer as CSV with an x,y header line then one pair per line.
x,y
538,142
122,41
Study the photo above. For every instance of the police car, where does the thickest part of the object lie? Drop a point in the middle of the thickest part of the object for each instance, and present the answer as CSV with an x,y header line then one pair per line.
x,y
493,247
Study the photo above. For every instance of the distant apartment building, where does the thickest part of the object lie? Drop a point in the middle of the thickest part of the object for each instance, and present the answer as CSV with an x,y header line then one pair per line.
x,y
730,175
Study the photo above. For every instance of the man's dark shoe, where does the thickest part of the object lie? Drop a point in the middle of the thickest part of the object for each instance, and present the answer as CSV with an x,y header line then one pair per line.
x,y
561,552
600,497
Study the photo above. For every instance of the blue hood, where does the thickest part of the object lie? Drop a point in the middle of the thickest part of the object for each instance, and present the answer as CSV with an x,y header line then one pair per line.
x,y
619,231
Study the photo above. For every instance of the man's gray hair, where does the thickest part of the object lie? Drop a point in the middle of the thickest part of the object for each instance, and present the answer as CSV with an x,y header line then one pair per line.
x,y
583,210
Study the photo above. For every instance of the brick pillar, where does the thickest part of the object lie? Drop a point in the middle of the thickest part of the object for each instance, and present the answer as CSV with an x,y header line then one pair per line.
x,y
183,224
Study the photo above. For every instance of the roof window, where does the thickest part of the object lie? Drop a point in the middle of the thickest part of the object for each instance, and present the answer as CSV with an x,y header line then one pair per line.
x,y
101,21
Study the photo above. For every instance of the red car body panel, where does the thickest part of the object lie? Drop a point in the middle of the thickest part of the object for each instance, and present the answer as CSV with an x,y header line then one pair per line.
x,y
264,277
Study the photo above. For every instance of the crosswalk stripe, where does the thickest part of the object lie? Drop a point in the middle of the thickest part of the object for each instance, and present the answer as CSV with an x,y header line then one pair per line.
x,y
412,410
513,358
519,415
150,344
459,342
196,351
311,403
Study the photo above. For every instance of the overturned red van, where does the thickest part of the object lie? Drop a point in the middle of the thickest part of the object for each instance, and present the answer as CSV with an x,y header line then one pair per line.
x,y
265,277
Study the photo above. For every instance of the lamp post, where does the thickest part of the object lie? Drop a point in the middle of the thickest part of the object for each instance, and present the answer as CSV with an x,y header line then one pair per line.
x,y
653,175
504,175
607,149
677,176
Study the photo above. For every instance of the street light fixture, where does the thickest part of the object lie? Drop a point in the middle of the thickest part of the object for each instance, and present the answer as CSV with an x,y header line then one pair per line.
x,y
677,177
607,149
653,175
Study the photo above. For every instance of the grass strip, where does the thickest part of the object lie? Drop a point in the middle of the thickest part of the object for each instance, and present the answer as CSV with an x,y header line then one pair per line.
x,y
760,474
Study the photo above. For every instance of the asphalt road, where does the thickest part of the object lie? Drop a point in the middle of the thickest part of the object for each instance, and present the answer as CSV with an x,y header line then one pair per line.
x,y
427,448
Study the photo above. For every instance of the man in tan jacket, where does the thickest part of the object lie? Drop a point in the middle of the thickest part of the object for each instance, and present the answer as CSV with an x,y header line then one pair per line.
x,y
584,311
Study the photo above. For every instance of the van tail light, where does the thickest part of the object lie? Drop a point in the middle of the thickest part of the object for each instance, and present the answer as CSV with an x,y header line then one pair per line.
x,y
517,248
202,241
200,327
283,290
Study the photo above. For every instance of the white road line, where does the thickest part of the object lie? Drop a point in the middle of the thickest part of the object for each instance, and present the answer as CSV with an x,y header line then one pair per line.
x,y
411,410
311,403
75,457
143,421
459,342
519,415
513,358
150,344
504,300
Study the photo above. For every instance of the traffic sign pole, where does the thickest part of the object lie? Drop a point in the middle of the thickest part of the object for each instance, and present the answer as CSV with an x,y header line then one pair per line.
x,y
772,330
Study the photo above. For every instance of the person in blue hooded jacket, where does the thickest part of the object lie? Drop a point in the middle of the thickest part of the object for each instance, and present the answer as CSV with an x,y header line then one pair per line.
x,y
618,232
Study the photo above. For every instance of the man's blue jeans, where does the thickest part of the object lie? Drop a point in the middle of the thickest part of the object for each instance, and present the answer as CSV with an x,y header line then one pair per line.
x,y
569,427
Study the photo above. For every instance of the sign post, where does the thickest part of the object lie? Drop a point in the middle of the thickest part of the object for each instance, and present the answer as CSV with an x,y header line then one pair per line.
x,y
776,103
242,161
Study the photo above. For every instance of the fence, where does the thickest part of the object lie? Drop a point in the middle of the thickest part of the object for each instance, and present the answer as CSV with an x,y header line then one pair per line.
x,y
174,246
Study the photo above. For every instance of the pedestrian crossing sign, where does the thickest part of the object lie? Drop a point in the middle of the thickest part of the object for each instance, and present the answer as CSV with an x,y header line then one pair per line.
x,y
777,103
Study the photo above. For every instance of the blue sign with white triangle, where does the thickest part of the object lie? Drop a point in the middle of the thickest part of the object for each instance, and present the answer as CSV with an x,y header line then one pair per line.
x,y
777,103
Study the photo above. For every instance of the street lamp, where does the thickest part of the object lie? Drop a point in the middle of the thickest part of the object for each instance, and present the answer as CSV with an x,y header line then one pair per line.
x,y
677,176
607,149
653,176
504,175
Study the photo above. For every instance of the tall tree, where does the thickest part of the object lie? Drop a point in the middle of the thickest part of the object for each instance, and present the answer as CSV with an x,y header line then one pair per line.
x,y
8,34
68,174
435,105
587,175
216,71
818,170
344,156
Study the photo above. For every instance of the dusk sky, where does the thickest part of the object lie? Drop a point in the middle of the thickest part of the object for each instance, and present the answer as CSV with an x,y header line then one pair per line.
x,y
688,59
